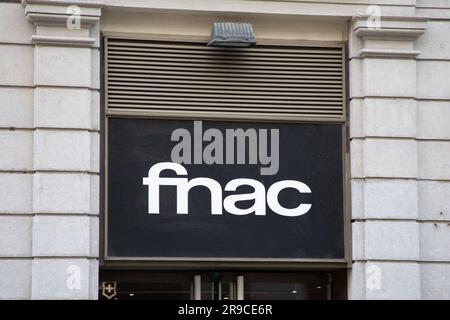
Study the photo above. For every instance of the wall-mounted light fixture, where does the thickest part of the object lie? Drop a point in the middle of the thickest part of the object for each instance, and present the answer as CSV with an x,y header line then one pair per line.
x,y
231,34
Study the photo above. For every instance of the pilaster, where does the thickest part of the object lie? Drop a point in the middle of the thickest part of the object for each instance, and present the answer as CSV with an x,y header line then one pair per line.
x,y
384,152
65,148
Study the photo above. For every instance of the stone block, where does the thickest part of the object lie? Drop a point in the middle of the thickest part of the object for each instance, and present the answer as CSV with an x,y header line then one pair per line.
x,y
16,279
435,241
391,240
16,150
15,236
18,69
432,79
434,200
389,78
391,199
434,160
62,108
60,279
60,235
435,279
17,107
390,158
62,150
433,119
17,193
389,117
62,66
61,193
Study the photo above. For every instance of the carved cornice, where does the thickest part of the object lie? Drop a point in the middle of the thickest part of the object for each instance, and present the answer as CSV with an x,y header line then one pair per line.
x,y
387,53
60,20
389,29
58,13
81,3
66,41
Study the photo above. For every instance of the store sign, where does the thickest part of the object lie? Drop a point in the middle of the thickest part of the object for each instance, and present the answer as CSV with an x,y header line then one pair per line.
x,y
207,189
183,187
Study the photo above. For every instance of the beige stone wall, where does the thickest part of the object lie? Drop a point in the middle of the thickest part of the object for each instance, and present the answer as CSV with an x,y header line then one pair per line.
x,y
49,163
400,149
400,137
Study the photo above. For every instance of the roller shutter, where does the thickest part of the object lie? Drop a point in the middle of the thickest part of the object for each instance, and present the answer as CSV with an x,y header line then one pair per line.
x,y
189,79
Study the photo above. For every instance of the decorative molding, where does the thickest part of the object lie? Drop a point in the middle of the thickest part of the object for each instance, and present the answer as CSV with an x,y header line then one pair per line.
x,y
389,33
396,34
391,28
59,20
81,3
58,40
388,53
57,13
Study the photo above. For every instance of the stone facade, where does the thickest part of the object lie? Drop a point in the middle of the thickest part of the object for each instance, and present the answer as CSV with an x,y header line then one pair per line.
x,y
49,167
399,107
399,146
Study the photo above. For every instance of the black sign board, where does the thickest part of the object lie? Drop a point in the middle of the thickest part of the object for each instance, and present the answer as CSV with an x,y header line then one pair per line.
x,y
212,189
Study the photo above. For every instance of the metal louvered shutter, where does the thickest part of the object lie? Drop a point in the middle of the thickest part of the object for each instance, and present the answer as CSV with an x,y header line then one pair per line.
x,y
189,79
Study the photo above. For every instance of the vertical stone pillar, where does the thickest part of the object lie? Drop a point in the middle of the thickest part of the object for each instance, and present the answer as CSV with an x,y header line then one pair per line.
x,y
384,159
16,155
433,115
65,149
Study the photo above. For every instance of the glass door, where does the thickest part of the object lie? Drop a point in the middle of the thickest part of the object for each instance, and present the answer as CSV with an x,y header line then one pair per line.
x,y
218,286
261,286
285,286
213,285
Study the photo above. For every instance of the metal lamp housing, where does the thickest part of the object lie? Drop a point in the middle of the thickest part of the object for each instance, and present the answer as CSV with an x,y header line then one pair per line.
x,y
231,34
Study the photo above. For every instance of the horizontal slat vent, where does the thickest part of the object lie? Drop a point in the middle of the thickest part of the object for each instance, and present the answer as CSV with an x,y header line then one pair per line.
x,y
265,81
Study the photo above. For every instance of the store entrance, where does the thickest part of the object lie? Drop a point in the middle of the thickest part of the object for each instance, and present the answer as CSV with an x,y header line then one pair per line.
x,y
262,286
214,285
